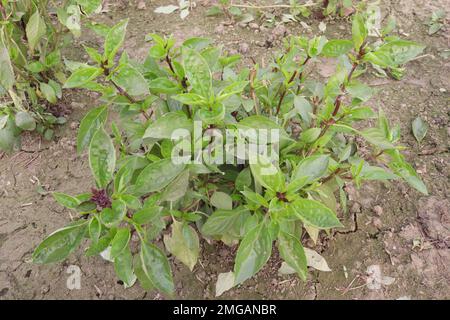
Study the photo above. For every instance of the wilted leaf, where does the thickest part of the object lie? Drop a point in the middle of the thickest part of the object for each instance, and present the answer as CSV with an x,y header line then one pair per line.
x,y
183,243
419,128
166,9
316,261
225,281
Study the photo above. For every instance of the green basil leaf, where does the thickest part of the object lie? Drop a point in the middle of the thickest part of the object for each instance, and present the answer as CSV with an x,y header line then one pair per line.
x,y
35,29
82,76
93,120
267,174
253,253
221,200
157,176
359,30
336,48
221,221
120,242
190,99
164,127
25,121
157,268
197,72
102,158
147,214
58,245
114,215
313,167
7,78
95,229
66,200
131,80
177,188
254,197
48,92
292,252
144,281
123,265
315,214
114,40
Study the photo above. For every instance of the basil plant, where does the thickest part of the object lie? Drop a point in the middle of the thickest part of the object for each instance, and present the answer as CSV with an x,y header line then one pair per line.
x,y
146,203
32,35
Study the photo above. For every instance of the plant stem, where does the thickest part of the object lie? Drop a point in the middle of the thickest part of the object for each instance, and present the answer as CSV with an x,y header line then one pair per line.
x,y
338,101
182,82
283,93
252,90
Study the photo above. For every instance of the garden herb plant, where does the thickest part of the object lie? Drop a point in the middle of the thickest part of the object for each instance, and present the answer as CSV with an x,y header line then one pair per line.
x,y
142,194
32,70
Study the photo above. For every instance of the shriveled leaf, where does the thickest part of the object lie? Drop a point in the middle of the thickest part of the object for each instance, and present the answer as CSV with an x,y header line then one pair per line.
x,y
419,128
316,261
183,243
166,9
225,281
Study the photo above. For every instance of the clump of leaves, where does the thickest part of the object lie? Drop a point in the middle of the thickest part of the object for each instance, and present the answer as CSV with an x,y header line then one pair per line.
x,y
292,10
184,7
141,193
32,71
436,21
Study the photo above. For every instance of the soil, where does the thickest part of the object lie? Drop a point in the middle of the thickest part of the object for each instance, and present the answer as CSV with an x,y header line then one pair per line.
x,y
402,235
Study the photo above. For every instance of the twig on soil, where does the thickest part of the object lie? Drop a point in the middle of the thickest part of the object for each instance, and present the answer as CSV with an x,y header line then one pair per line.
x,y
349,287
26,204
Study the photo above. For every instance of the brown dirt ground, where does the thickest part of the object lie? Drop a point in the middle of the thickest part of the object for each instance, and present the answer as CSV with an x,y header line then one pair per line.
x,y
408,237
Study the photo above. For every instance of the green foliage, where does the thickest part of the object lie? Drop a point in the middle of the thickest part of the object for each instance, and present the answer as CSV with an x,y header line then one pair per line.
x,y
141,192
31,66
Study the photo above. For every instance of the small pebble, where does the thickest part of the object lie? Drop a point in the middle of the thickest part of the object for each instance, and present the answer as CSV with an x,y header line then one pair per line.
x,y
378,210
74,125
244,47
